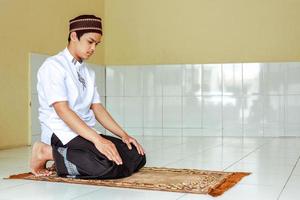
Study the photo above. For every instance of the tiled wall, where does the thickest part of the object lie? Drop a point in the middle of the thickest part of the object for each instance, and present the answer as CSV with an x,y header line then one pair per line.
x,y
250,99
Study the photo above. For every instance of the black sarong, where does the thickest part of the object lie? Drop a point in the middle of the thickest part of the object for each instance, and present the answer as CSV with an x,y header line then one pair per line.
x,y
79,158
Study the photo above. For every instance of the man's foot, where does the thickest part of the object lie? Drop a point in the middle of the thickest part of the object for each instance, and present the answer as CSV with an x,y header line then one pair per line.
x,y
39,158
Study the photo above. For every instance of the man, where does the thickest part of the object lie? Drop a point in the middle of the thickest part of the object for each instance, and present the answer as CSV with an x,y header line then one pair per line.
x,y
69,107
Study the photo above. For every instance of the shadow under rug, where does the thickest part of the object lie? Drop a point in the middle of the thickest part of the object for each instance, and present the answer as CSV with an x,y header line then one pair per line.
x,y
194,181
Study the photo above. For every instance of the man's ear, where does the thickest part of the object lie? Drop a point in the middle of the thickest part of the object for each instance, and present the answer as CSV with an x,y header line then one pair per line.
x,y
73,36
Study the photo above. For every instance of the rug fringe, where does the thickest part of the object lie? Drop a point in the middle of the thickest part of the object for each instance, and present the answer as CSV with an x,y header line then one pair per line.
x,y
19,176
228,183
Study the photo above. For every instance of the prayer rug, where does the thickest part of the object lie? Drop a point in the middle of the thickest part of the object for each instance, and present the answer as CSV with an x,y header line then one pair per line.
x,y
194,181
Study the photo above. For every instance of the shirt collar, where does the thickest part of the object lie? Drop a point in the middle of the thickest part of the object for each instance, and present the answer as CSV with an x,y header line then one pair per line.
x,y
71,59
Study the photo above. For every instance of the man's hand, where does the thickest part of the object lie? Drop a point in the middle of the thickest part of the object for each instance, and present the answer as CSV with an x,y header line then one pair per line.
x,y
108,148
130,140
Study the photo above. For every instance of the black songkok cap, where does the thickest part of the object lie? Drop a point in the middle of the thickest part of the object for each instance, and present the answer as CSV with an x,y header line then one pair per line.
x,y
86,23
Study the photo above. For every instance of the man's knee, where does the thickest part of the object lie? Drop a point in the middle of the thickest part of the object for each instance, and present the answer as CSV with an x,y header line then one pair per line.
x,y
92,165
142,162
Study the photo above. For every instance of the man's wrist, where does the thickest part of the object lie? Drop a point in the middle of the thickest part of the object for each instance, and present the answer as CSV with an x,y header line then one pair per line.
x,y
124,134
97,138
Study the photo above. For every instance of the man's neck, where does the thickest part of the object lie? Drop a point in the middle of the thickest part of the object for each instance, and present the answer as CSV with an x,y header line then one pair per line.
x,y
72,52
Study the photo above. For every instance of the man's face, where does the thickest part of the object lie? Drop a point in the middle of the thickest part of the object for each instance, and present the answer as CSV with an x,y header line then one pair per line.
x,y
86,46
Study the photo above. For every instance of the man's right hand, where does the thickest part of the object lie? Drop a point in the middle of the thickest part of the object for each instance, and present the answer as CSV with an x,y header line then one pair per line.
x,y
109,149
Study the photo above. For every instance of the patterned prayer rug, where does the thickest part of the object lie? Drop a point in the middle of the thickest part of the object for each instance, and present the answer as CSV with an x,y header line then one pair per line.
x,y
194,181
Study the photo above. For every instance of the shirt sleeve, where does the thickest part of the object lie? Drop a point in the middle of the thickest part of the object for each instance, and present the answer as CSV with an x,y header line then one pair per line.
x,y
52,82
96,97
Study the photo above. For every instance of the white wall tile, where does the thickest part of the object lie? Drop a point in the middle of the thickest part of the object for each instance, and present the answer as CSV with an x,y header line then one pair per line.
x,y
35,123
103,100
232,79
253,131
192,112
212,79
212,112
191,132
115,106
99,128
36,60
192,80
273,78
253,115
232,113
153,112
273,112
172,79
133,112
292,77
212,132
133,81
153,131
252,78
172,112
172,132
100,77
115,81
292,111
152,81
233,132
134,131
175,91
273,132
292,131
35,138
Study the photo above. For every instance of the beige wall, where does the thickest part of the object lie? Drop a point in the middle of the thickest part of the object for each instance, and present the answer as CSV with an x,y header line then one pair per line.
x,y
13,71
49,27
139,32
31,26
201,31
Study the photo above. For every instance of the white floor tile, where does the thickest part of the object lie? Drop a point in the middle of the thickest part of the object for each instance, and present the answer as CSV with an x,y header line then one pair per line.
x,y
241,192
291,190
46,190
270,160
130,194
260,168
7,184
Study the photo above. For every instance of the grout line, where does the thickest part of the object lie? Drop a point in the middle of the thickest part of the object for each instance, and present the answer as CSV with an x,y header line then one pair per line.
x,y
86,193
105,96
288,178
285,88
143,100
222,101
181,196
263,94
243,102
183,74
202,98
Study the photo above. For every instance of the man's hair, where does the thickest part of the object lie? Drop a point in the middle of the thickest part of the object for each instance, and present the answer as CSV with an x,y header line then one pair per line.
x,y
78,35
85,24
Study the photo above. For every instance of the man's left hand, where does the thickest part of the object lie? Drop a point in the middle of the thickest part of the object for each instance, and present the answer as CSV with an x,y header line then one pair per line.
x,y
130,140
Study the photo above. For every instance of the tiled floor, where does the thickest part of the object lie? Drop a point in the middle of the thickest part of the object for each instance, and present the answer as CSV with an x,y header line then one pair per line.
x,y
274,163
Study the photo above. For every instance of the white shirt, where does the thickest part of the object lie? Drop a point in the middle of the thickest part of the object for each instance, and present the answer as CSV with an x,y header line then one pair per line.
x,y
58,80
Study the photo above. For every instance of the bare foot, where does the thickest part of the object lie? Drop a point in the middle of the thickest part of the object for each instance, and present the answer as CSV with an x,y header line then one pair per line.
x,y
39,158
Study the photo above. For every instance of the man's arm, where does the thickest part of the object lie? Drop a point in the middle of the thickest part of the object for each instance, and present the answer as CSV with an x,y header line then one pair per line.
x,y
81,128
104,118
